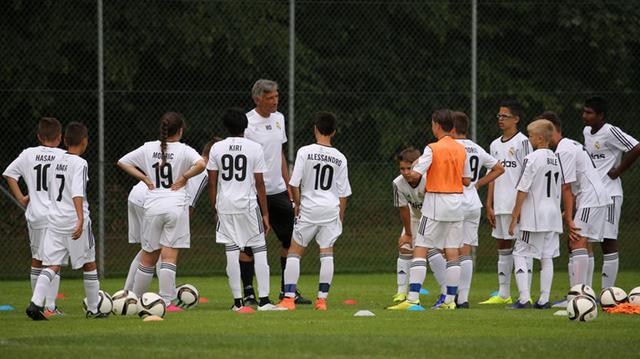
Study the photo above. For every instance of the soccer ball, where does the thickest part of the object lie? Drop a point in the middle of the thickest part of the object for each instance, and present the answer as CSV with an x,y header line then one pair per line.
x,y
125,303
582,308
634,296
105,303
188,296
581,289
612,296
151,304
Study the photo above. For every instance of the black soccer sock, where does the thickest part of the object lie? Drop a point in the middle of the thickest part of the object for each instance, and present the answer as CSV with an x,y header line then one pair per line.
x,y
246,272
237,302
263,301
283,265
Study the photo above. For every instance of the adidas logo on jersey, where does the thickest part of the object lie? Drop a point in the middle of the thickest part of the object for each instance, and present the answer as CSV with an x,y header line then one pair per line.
x,y
509,164
599,156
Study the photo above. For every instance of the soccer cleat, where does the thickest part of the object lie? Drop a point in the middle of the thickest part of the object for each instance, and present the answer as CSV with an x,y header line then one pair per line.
x,y
406,305
287,303
92,315
321,304
400,297
270,308
174,308
243,309
518,305
560,304
497,299
445,306
464,305
34,312
250,300
546,305
302,300
439,302
53,313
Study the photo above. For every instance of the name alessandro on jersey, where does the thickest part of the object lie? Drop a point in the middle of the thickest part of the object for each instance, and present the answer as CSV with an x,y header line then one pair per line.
x,y
324,158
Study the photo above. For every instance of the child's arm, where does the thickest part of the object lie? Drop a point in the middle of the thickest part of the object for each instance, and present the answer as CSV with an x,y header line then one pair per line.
x,y
491,215
193,171
515,215
17,193
262,199
136,173
77,204
295,192
213,188
343,207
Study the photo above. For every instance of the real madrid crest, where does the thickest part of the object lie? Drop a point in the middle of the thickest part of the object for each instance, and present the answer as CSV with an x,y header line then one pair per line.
x,y
512,151
277,124
597,145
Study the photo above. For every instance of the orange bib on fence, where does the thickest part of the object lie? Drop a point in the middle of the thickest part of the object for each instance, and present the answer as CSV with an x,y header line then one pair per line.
x,y
447,166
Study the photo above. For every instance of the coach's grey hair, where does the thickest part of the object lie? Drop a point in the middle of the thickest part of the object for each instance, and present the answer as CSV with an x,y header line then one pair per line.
x,y
263,86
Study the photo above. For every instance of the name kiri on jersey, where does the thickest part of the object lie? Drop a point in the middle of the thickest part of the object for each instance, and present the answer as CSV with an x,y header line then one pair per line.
x,y
45,158
235,147
158,155
324,158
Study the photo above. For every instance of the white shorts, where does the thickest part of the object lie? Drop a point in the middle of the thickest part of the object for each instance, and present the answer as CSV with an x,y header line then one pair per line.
x,y
537,245
59,248
170,229
439,234
36,236
414,232
470,227
325,234
502,228
241,229
135,216
612,220
591,222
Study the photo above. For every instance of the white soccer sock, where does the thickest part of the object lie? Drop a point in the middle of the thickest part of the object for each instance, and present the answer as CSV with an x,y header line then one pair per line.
x,y
233,270
609,269
142,280
128,284
91,288
291,275
530,269
522,278
42,286
572,279
50,299
417,273
546,279
452,280
403,266
326,274
35,272
466,271
592,263
167,281
261,267
505,267
579,263
438,266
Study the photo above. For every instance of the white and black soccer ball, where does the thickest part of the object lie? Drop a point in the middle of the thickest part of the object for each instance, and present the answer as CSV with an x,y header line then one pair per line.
x,y
125,303
151,304
634,296
188,296
582,308
581,289
612,296
105,303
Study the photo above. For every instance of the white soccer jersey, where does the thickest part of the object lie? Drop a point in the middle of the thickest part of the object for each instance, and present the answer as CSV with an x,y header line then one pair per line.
x,y
179,159
195,187
404,195
477,157
322,176
68,179
236,159
34,166
606,148
541,179
271,134
580,171
510,152
138,194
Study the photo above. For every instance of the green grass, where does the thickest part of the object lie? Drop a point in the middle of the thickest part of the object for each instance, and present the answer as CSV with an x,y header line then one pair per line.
x,y
211,330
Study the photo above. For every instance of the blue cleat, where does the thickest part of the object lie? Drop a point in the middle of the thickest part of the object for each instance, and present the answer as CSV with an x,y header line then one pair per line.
x,y
518,305
416,308
439,302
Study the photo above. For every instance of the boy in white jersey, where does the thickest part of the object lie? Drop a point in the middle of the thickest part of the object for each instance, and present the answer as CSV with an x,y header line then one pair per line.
x,y
236,166
408,196
165,225
537,209
583,190
320,176
613,152
33,166
477,158
68,235
510,149
135,209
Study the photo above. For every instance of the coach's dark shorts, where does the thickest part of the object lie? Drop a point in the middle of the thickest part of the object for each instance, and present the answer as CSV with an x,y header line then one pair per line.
x,y
281,217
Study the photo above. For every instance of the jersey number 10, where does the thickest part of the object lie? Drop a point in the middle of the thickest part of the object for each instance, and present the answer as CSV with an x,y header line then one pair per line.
x,y
324,177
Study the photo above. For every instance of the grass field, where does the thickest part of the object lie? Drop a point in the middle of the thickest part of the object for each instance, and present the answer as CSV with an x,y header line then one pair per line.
x,y
211,330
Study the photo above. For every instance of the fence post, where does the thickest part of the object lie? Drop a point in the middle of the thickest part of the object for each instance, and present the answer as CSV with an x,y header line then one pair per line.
x,y
292,83
101,234
474,69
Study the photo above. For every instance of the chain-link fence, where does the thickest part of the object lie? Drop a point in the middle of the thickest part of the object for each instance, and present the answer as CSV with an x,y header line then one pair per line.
x,y
382,66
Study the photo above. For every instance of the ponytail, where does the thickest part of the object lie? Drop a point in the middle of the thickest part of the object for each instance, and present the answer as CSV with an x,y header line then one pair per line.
x,y
164,129
170,124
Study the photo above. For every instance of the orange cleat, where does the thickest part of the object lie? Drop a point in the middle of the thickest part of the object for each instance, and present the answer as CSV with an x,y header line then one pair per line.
x,y
321,304
288,303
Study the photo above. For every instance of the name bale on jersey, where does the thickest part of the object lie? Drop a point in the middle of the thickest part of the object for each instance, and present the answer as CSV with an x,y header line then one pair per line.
x,y
45,158
552,161
324,158
158,155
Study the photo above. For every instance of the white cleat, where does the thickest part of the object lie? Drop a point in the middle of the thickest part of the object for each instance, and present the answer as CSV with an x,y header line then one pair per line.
x,y
270,308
